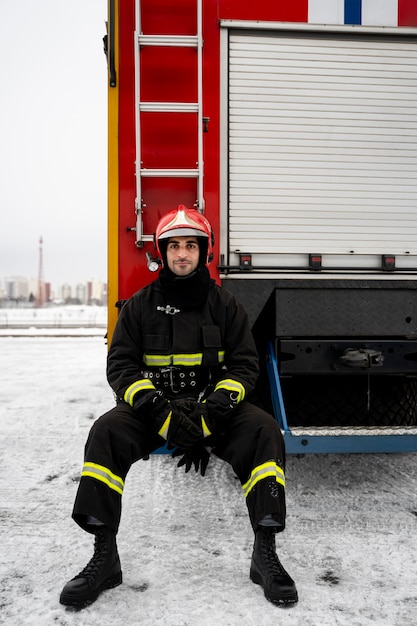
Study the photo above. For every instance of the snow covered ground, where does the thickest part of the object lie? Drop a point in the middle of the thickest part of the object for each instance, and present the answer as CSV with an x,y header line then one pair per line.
x,y
185,541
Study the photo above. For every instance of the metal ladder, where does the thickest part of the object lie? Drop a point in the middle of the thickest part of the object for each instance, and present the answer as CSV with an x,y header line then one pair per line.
x,y
194,41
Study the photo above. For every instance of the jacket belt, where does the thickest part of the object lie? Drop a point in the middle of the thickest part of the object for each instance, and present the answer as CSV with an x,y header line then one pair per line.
x,y
178,380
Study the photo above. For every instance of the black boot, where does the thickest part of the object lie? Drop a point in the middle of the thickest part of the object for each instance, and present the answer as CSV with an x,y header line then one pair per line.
x,y
102,572
267,571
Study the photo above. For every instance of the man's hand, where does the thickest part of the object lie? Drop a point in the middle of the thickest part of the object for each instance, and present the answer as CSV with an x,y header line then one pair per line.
x,y
179,430
174,426
198,455
170,420
197,412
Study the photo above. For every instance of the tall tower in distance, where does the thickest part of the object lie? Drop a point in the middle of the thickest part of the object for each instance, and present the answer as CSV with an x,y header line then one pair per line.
x,y
40,296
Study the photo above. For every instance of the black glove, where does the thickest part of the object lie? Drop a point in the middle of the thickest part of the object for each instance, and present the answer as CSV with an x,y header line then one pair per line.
x,y
182,431
197,412
198,455
149,403
221,403
171,422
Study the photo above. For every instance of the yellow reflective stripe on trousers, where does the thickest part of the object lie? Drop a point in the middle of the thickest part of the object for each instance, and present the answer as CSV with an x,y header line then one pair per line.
x,y
138,385
266,470
232,385
187,360
104,475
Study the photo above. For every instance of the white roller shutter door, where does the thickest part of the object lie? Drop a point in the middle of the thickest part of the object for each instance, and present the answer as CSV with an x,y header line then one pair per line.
x,y
322,144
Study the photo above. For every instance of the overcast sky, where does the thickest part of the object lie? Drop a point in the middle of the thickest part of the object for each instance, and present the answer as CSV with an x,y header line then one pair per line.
x,y
53,139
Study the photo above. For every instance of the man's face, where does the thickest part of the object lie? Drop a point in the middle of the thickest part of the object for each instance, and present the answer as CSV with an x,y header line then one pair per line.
x,y
183,254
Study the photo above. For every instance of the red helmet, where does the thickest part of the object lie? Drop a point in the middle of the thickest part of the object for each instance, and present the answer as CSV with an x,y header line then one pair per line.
x,y
182,222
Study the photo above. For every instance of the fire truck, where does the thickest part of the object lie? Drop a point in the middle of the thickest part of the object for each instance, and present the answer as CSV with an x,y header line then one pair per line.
x,y
292,125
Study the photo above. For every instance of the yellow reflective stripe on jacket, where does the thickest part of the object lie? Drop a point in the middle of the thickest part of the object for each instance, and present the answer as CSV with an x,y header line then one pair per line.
x,y
139,385
165,427
232,385
266,470
187,360
104,475
157,360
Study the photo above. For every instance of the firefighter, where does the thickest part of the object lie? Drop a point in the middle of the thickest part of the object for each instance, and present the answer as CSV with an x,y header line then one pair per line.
x,y
182,363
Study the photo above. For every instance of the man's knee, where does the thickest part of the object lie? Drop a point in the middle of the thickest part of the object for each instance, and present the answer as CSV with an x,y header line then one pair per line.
x,y
261,418
109,423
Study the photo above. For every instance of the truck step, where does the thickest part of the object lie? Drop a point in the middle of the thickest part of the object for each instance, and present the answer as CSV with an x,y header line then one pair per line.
x,y
335,431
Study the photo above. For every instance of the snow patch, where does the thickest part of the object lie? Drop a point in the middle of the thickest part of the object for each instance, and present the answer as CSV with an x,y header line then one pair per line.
x,y
185,541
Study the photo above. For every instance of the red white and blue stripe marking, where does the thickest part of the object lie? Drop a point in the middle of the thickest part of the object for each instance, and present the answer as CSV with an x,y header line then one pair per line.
x,y
363,12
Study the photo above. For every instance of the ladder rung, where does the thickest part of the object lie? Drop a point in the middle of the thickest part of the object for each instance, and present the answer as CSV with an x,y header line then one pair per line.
x,y
182,41
174,107
169,173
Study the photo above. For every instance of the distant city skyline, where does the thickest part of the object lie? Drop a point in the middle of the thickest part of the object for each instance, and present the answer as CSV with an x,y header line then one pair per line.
x,y
59,277
25,288
41,276
55,284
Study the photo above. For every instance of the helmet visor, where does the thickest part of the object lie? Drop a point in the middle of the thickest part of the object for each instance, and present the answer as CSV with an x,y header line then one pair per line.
x,y
182,232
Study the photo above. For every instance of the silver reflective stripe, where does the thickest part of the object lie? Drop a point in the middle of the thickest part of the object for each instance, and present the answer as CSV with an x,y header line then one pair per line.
x,y
188,360
232,385
138,385
267,470
104,475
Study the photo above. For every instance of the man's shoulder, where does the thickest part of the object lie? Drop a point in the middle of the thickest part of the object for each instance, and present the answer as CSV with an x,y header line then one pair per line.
x,y
221,293
143,294
144,291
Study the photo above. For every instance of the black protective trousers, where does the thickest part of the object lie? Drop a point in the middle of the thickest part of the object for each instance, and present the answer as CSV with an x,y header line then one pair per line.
x,y
252,444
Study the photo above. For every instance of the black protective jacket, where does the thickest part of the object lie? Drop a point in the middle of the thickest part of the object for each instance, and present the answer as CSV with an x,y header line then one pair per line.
x,y
158,343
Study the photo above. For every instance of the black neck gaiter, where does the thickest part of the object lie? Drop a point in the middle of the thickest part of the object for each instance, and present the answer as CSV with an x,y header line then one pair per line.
x,y
185,291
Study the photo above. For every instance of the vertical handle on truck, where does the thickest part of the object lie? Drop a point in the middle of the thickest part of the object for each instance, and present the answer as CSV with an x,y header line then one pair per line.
x,y
111,46
276,392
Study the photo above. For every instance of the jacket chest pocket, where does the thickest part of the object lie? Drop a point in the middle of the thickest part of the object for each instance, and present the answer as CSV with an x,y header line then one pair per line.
x,y
156,350
212,345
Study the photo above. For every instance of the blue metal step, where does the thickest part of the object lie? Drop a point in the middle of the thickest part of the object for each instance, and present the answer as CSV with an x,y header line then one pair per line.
x,y
329,439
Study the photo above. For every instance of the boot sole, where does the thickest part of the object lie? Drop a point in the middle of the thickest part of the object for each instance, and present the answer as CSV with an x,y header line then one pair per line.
x,y
283,599
80,603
